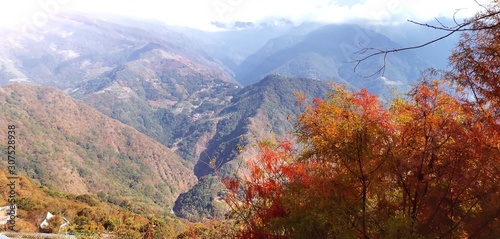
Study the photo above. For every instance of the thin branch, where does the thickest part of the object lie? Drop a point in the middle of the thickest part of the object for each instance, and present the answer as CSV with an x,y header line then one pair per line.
x,y
440,23
455,17
386,52
481,5
459,27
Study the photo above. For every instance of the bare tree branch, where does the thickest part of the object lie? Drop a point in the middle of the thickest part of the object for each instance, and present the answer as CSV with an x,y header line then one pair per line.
x,y
466,26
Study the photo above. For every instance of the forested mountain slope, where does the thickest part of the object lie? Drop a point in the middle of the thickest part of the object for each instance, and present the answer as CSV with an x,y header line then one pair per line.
x,y
71,147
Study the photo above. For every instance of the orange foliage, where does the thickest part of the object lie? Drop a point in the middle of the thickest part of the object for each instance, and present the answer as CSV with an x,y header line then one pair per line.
x,y
476,60
427,166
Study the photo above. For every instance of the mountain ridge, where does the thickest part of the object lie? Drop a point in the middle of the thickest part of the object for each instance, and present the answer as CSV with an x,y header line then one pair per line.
x,y
72,147
262,111
326,53
183,87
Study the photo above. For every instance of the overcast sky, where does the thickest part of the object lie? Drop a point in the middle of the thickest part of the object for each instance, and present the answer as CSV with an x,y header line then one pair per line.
x,y
200,13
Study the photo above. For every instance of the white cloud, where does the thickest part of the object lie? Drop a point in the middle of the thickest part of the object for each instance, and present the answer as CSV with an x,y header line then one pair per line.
x,y
199,13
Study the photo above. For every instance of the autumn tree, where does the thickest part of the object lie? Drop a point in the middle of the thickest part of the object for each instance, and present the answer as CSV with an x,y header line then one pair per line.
x,y
426,166
256,199
445,165
329,188
476,60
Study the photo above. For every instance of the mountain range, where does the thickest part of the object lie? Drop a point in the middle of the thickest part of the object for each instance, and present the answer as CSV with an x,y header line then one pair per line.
x,y
71,147
150,109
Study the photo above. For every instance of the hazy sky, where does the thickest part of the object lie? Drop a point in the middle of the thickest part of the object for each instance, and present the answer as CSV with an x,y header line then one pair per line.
x,y
199,13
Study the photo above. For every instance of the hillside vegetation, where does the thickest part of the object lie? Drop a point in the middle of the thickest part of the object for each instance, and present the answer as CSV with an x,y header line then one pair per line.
x,y
88,216
265,110
421,166
71,147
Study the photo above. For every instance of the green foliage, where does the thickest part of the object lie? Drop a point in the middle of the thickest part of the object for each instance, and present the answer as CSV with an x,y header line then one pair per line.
x,y
26,204
89,200
200,202
51,192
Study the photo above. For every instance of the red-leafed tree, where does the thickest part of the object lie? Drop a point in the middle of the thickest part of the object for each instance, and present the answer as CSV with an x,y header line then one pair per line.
x,y
476,60
445,164
257,199
424,166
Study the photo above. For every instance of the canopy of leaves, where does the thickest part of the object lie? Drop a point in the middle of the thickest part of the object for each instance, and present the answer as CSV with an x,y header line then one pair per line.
x,y
423,167
476,59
